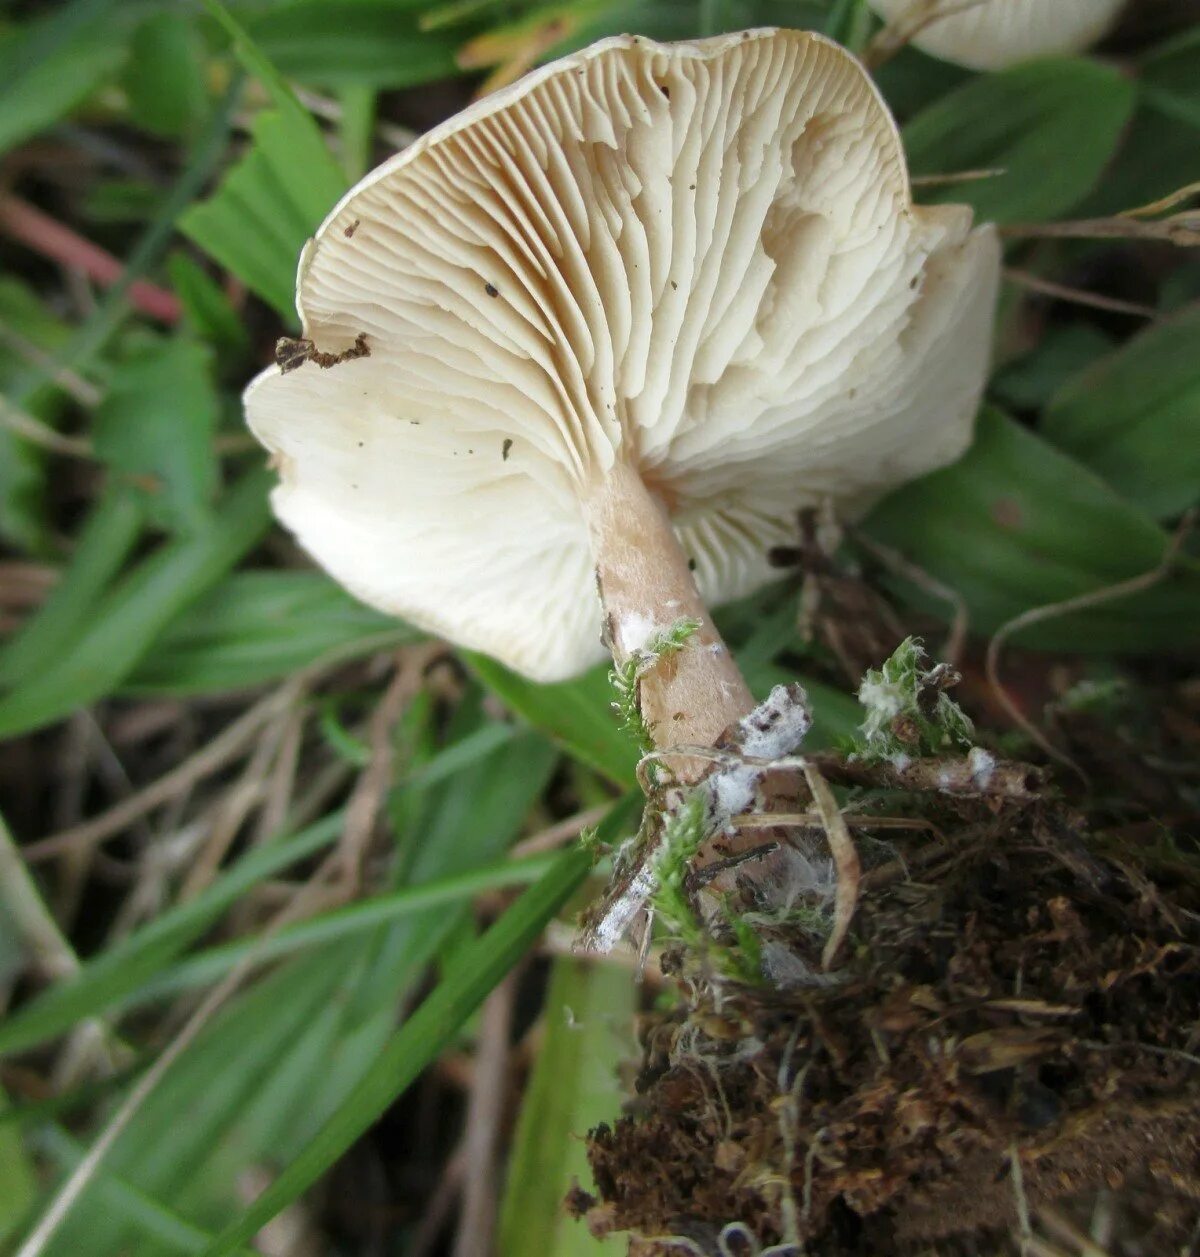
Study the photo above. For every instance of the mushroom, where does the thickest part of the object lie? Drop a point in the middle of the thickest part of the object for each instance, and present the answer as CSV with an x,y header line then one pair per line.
x,y
608,330
992,34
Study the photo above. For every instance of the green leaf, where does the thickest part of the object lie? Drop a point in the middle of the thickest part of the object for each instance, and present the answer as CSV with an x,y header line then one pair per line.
x,y
155,426
124,625
255,627
577,714
422,1038
1016,524
1134,417
340,42
165,76
128,964
52,65
1062,350
1063,115
588,1018
268,206
105,541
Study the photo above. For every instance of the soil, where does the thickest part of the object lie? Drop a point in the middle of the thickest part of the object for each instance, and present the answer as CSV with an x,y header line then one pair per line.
x,y
1014,1028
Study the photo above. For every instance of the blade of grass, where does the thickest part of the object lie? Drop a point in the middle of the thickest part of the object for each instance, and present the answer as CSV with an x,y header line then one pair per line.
x,y
424,1035
153,1219
588,1019
576,714
312,156
127,965
105,541
207,966
123,627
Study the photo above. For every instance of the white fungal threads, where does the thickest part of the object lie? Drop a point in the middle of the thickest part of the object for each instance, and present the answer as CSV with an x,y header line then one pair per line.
x,y
635,631
983,767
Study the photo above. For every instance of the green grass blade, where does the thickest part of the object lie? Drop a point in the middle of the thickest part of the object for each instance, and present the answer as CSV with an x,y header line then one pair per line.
x,y
577,714
131,963
123,627
327,927
310,154
424,1035
259,626
588,1020
92,336
105,541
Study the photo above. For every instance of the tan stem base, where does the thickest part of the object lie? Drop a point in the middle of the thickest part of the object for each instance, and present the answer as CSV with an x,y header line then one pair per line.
x,y
645,584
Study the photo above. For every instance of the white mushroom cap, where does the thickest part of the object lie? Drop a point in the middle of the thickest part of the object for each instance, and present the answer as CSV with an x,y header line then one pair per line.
x,y
992,34
697,261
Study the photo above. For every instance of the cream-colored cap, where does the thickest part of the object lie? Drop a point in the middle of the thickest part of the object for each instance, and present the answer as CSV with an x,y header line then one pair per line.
x,y
700,261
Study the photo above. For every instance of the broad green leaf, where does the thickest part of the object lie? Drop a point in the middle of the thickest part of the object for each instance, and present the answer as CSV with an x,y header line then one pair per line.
x,y
53,64
1062,350
588,1017
1157,156
339,42
155,428
108,535
1016,524
577,714
127,965
426,1033
165,75
1134,416
276,196
126,622
255,627
1063,115
268,206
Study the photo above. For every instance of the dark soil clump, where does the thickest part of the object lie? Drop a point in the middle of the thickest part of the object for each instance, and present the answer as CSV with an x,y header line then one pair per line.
x,y
1016,1022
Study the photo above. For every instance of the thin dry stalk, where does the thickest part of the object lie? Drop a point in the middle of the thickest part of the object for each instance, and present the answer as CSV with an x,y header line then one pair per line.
x,y
897,563
845,862
485,1111
440,1204
560,832
231,742
1065,1231
362,811
1078,296
232,811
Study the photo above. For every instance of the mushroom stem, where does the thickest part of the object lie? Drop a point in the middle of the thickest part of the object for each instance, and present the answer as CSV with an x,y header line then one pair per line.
x,y
646,586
